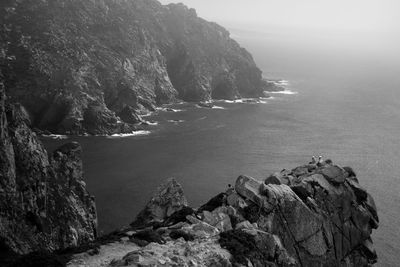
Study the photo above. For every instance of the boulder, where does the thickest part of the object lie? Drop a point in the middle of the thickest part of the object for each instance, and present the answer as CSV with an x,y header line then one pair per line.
x,y
334,174
300,171
273,179
218,218
244,225
236,201
249,188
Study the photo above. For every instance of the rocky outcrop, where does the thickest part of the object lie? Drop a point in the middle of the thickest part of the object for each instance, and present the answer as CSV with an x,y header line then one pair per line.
x,y
168,199
44,205
312,215
95,66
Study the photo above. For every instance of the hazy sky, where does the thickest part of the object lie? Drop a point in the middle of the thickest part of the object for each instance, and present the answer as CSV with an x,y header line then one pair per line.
x,y
360,15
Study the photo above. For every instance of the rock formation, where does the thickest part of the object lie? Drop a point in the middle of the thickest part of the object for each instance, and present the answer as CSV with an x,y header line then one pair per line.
x,y
312,215
96,66
43,201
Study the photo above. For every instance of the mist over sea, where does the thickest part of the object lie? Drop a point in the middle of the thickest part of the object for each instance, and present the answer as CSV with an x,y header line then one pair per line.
x,y
347,108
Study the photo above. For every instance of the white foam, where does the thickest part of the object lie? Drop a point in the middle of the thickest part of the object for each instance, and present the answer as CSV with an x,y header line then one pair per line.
x,y
170,109
260,100
224,101
217,107
134,133
176,121
281,82
55,136
147,114
284,92
151,123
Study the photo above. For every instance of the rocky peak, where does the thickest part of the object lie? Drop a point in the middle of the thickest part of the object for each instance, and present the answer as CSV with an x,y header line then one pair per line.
x,y
312,215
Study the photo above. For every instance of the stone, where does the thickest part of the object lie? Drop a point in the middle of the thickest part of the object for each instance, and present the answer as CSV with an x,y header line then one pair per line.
x,y
219,219
201,230
245,225
167,199
249,188
272,180
235,200
370,204
282,177
360,192
300,171
369,250
213,203
334,174
255,248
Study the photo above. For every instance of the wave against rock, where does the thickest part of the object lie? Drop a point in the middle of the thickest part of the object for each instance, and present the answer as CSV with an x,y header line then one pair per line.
x,y
96,66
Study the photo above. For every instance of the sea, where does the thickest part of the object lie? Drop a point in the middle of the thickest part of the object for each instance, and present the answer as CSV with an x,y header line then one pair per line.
x,y
340,99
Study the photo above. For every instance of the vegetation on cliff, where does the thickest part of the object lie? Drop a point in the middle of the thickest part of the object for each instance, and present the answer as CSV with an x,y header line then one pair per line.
x,y
95,66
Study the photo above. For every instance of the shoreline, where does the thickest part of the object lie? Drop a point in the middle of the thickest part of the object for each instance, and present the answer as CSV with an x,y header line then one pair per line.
x,y
171,108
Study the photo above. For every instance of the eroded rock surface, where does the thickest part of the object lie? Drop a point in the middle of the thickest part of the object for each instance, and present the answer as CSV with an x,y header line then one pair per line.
x,y
44,204
313,215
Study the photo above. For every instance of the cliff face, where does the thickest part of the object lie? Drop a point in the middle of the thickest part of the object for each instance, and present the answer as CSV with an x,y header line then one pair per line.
x,y
94,66
312,215
43,201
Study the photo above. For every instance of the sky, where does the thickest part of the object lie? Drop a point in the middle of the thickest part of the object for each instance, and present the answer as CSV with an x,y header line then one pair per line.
x,y
374,16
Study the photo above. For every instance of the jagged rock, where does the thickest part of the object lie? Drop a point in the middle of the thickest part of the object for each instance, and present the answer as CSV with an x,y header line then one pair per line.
x,y
255,247
236,201
167,199
213,203
315,221
218,218
44,205
300,171
249,188
128,114
360,192
245,225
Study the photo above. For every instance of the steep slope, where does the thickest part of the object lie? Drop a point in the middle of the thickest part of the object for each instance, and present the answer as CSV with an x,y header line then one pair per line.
x,y
43,201
94,66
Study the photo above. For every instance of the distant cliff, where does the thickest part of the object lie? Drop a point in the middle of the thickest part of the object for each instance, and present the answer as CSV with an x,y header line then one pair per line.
x,y
96,66
312,215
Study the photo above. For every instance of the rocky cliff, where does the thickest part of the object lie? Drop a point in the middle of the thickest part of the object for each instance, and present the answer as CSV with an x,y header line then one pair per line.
x,y
96,66
44,205
312,215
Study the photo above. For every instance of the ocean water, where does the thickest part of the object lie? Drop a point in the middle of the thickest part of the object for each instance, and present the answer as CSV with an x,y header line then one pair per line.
x,y
346,107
